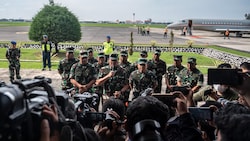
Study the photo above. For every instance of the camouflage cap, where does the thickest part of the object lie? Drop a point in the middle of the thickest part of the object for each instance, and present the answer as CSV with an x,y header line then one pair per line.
x,y
142,61
70,49
177,57
113,57
101,54
157,52
45,36
83,53
13,42
144,53
124,53
192,60
90,49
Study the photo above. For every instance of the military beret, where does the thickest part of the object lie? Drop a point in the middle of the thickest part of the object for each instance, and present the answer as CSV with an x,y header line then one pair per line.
x,y
144,53
192,60
124,53
13,42
157,51
101,54
113,56
142,61
83,53
70,49
177,57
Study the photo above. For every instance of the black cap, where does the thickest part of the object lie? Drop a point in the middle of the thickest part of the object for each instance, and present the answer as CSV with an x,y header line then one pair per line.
x,y
101,54
157,52
177,57
113,56
83,53
90,49
142,61
124,53
144,53
70,49
192,60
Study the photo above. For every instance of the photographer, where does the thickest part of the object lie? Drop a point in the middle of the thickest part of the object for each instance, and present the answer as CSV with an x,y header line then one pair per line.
x,y
150,115
46,133
112,128
182,127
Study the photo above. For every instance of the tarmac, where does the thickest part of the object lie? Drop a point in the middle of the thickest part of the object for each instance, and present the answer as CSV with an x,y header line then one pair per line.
x,y
121,35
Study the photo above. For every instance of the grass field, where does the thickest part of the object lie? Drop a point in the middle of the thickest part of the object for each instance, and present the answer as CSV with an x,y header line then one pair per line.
x,y
32,59
6,24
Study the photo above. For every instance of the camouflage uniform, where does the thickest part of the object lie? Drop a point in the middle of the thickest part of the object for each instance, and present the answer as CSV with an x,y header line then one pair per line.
x,y
92,60
140,81
97,67
128,68
13,55
64,69
117,82
83,74
173,71
150,65
160,70
191,77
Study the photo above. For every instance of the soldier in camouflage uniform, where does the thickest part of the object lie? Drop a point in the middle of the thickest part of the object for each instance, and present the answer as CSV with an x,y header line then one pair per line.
x,y
13,55
191,77
91,58
141,79
172,73
150,65
126,65
113,78
160,69
82,74
98,65
65,66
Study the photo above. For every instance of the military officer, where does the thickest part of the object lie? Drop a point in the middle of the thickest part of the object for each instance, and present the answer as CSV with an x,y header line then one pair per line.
x,y
98,65
191,76
150,65
160,69
13,55
91,58
141,79
113,78
83,74
65,66
126,65
172,72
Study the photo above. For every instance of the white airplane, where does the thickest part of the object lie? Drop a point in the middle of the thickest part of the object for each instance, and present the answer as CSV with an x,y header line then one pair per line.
x,y
239,27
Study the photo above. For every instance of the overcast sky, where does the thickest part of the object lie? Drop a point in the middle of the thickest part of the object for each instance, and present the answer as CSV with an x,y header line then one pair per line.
x,y
111,10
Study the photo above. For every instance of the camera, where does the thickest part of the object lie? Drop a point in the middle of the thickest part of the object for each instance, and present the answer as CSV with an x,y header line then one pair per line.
x,y
21,105
183,89
201,113
87,117
231,77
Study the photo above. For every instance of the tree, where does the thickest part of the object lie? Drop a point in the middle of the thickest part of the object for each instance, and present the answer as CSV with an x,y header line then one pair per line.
x,y
57,22
247,15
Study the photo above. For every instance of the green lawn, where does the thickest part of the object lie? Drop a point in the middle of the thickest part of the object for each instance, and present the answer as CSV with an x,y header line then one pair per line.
x,y
36,59
6,24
